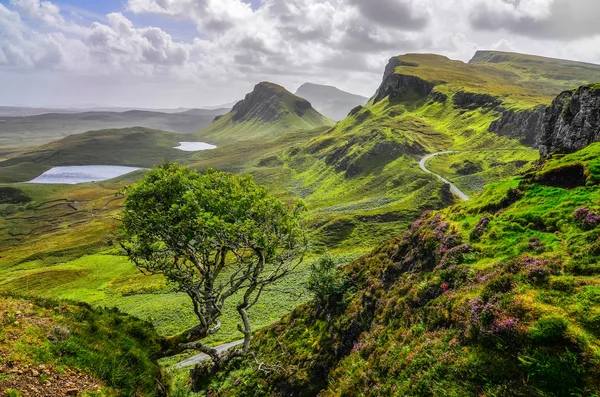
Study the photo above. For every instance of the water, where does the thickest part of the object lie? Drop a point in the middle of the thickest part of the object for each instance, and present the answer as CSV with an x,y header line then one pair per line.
x,y
82,173
195,146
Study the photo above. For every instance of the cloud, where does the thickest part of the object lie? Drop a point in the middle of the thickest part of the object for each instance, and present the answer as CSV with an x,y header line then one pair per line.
x,y
398,14
540,19
342,42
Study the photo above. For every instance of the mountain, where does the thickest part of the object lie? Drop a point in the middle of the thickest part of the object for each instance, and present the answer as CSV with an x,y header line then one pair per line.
x,y
23,111
39,129
496,296
267,112
330,101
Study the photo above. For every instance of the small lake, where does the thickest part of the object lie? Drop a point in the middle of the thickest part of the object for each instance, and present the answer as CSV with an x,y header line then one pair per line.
x,y
195,146
82,173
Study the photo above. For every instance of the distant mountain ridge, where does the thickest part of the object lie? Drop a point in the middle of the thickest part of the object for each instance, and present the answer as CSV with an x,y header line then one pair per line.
x,y
267,112
43,128
330,101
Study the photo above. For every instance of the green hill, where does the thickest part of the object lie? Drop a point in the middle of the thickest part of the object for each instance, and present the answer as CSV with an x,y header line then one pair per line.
x,y
497,296
138,146
268,112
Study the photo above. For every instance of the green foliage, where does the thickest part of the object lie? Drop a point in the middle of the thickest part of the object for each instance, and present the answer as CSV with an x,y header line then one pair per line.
x,y
324,282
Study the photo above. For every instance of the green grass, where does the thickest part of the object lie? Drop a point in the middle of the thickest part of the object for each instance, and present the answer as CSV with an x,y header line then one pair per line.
x,y
115,349
520,80
471,171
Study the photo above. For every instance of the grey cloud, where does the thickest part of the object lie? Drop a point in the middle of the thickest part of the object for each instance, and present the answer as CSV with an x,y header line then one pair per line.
x,y
568,19
398,14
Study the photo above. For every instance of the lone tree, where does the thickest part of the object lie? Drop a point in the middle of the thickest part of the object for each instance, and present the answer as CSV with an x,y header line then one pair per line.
x,y
215,236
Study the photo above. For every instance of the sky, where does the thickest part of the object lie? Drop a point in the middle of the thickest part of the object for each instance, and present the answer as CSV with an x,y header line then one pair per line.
x,y
193,53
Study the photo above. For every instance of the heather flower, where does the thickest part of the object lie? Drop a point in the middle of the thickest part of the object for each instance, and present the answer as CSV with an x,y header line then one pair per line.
x,y
586,217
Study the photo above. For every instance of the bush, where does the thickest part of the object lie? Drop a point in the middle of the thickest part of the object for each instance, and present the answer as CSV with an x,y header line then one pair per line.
x,y
325,282
587,218
549,330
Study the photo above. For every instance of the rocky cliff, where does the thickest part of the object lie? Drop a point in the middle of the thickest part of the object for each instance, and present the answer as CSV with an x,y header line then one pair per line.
x,y
525,125
395,85
572,122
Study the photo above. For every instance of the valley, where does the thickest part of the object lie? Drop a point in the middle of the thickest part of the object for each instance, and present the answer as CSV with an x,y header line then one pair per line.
x,y
429,197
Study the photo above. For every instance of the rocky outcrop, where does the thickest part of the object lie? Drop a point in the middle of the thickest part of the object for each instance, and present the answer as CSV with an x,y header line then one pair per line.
x,y
572,122
395,85
437,96
524,125
472,100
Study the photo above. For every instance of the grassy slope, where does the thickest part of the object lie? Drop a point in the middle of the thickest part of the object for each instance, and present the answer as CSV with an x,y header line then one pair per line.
x,y
496,296
472,170
49,347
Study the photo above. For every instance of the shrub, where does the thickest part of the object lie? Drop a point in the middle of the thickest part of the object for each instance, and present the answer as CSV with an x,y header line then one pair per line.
x,y
480,228
325,282
586,217
549,330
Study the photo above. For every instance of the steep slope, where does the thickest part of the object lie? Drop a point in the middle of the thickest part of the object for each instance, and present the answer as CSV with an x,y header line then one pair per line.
x,y
60,348
268,112
140,147
330,101
497,296
40,129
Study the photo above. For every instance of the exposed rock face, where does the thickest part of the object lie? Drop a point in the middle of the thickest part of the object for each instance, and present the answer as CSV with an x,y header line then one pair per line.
x,y
525,125
471,100
437,96
395,85
269,102
572,122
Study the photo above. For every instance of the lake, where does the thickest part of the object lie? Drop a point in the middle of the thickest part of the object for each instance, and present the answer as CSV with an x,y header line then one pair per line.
x,y
195,146
82,173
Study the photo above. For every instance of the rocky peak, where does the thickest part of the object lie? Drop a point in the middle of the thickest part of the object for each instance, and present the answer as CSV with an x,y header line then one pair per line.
x,y
572,122
269,102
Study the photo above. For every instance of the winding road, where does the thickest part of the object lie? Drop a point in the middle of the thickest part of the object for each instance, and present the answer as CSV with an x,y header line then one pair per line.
x,y
453,188
203,357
